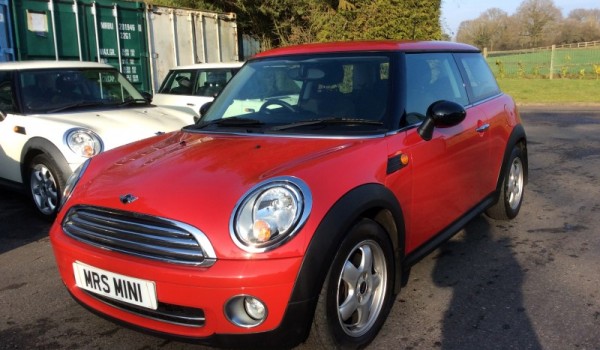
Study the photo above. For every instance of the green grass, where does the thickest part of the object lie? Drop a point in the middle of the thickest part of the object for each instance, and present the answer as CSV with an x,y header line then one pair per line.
x,y
572,63
556,91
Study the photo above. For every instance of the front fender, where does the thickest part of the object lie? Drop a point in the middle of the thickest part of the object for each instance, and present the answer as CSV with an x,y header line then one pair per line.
x,y
374,201
517,137
39,145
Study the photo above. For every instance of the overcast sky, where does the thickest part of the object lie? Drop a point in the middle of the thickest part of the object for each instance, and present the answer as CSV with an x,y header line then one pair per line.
x,y
456,11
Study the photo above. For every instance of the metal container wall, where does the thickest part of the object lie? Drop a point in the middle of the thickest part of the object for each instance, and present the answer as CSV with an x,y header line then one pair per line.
x,y
85,30
141,40
118,30
7,52
181,37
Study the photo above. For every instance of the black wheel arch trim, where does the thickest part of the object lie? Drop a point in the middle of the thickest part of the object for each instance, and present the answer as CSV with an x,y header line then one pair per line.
x,y
517,137
367,200
374,201
39,145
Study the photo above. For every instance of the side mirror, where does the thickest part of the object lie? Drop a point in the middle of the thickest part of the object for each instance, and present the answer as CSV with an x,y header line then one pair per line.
x,y
205,108
441,114
202,111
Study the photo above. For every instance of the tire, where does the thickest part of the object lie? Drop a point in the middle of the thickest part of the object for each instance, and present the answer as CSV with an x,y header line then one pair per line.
x,y
511,192
358,293
46,184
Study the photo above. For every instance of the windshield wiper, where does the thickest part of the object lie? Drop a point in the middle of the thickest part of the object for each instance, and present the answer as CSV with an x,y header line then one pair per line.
x,y
132,101
233,121
76,105
327,121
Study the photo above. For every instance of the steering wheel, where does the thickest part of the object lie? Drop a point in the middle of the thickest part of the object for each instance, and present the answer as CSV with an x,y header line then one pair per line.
x,y
276,102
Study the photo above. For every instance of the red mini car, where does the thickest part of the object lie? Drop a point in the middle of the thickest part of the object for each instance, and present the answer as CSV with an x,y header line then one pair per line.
x,y
294,208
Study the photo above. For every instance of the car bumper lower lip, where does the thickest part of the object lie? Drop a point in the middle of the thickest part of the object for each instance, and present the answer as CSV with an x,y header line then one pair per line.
x,y
199,292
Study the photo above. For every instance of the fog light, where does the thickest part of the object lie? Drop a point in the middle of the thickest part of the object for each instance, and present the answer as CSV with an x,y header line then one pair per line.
x,y
254,308
245,311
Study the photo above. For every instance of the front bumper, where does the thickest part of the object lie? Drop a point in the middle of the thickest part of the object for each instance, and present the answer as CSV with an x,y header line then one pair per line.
x,y
185,290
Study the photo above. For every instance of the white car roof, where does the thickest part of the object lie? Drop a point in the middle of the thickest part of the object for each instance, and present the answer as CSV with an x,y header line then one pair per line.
x,y
210,65
51,64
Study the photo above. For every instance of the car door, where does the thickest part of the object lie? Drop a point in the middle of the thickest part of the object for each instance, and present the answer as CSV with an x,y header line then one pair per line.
x,y
11,134
492,108
445,170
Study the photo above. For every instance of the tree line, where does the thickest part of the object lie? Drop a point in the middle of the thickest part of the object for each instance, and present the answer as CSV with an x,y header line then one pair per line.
x,y
284,22
536,23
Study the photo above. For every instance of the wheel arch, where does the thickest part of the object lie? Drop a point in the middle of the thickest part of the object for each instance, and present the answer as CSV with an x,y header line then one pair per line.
x,y
519,139
373,201
40,145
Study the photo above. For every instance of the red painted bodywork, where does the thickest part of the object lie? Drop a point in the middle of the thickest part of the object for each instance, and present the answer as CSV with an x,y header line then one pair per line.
x,y
197,178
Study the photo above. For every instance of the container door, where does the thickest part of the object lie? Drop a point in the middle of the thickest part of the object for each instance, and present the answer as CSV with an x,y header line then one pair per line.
x,y
228,38
216,37
161,42
172,40
182,37
46,30
116,34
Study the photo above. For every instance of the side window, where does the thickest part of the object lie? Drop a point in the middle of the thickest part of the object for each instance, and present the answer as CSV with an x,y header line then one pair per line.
x,y
178,83
480,80
431,77
7,103
211,82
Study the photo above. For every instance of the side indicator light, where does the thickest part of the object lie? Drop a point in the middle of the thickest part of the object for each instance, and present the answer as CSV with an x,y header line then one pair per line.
x,y
396,162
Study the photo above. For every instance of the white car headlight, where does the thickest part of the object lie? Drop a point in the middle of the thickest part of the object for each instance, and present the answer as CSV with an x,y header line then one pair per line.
x,y
83,142
270,214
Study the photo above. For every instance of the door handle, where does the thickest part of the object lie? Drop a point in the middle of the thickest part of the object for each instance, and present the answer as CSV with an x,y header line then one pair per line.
x,y
483,128
190,104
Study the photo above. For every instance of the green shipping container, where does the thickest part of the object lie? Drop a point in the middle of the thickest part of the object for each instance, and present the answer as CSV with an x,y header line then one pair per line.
x,y
113,32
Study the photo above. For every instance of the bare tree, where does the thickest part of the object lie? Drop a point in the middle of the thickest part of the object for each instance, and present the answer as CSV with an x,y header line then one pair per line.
x,y
487,30
580,25
538,20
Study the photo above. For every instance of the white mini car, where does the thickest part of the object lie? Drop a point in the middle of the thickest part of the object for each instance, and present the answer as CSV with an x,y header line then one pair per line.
x,y
54,115
194,85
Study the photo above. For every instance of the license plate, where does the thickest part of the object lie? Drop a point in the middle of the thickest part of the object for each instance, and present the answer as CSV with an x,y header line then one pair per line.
x,y
115,286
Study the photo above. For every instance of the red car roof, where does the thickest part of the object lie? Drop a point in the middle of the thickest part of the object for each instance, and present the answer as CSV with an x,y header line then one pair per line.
x,y
383,45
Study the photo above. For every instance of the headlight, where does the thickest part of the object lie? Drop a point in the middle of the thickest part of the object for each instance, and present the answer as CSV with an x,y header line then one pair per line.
x,y
72,182
83,142
270,214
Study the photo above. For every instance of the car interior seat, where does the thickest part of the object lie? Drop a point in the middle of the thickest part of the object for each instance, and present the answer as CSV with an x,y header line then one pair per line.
x,y
369,91
215,82
68,88
184,87
326,99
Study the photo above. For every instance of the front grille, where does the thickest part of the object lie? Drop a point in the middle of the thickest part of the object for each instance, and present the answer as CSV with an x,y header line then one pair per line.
x,y
175,314
140,235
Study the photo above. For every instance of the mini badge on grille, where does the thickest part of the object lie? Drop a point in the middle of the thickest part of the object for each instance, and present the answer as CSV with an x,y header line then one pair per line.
x,y
128,198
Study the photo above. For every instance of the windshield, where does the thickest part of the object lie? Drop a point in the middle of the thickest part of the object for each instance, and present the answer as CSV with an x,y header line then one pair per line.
x,y
338,94
53,90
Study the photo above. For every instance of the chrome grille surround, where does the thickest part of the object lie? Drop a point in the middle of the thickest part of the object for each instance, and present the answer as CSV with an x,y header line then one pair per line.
x,y
139,235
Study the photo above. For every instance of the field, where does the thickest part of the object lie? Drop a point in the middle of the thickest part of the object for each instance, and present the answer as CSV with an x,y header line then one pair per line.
x,y
573,63
554,92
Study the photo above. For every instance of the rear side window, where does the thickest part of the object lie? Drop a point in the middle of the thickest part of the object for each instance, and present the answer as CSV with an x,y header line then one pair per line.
x,y
178,83
201,82
431,77
481,83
